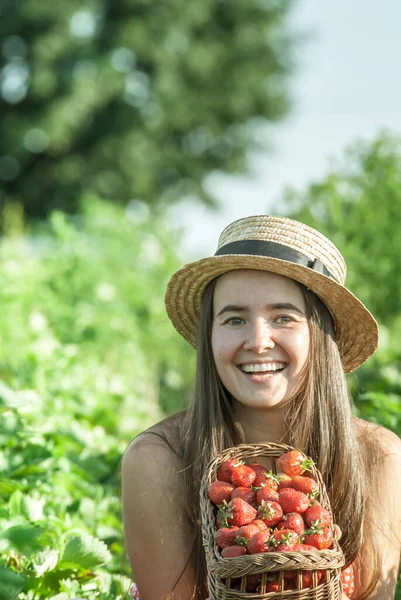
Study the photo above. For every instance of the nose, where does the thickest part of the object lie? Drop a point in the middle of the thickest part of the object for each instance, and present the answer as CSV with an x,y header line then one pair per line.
x,y
259,336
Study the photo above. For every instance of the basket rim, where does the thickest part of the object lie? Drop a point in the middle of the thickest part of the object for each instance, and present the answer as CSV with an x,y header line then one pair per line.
x,y
267,561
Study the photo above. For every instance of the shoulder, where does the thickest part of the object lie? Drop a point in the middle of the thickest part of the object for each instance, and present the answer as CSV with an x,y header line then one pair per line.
x,y
154,452
158,533
147,450
162,435
382,453
371,435
152,460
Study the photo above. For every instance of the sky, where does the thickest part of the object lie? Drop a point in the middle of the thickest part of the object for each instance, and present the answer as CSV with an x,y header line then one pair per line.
x,y
346,87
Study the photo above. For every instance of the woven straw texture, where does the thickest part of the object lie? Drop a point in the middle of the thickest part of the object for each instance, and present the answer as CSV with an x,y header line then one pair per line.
x,y
290,233
355,329
222,571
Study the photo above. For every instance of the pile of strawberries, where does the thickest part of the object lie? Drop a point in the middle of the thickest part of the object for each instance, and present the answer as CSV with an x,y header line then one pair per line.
x,y
259,511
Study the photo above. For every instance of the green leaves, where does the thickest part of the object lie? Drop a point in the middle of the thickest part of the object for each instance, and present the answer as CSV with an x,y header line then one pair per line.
x,y
24,538
83,366
84,552
357,206
127,118
11,584
45,561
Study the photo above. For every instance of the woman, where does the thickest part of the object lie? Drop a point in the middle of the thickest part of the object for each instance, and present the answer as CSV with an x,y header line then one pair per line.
x,y
275,331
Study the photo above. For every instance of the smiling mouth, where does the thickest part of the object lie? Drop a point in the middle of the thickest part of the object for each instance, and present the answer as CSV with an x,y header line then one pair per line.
x,y
259,370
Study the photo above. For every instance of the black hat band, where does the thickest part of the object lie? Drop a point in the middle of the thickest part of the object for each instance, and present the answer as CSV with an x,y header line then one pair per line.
x,y
274,250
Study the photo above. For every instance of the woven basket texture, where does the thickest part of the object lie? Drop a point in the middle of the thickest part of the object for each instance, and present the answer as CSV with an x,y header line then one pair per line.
x,y
225,575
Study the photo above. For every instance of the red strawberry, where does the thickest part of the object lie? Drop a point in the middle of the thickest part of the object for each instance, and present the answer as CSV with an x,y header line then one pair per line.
x,y
259,542
348,580
218,491
224,472
290,574
320,537
266,493
307,578
284,481
293,501
245,533
246,493
290,584
292,521
236,512
272,586
236,583
261,525
317,514
253,582
281,548
233,551
226,536
242,476
284,536
304,484
270,513
257,467
266,478
294,463
304,548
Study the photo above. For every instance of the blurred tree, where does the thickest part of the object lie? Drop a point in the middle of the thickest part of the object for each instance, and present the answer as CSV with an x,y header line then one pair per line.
x,y
134,98
358,206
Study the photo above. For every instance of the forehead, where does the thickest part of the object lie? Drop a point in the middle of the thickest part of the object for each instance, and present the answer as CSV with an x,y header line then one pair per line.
x,y
246,285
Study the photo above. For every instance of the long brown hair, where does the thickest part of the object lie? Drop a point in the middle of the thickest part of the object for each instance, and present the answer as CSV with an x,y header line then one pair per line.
x,y
319,422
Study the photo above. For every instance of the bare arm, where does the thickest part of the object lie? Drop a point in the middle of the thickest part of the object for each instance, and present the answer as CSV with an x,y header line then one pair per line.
x,y
388,516
158,534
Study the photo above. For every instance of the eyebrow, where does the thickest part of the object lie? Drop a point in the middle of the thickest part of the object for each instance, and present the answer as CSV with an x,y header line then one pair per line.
x,y
276,306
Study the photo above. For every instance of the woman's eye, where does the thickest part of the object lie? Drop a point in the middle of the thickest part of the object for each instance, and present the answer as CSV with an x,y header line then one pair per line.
x,y
234,321
283,320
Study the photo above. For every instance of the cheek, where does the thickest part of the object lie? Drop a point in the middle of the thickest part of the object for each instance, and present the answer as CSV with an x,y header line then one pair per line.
x,y
301,345
216,349
223,347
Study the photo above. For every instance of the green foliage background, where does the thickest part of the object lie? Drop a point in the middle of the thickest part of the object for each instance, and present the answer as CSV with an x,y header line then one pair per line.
x,y
87,360
358,206
136,102
135,98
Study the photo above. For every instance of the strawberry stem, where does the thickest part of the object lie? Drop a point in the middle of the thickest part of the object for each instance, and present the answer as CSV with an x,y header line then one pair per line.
x,y
241,541
307,464
224,512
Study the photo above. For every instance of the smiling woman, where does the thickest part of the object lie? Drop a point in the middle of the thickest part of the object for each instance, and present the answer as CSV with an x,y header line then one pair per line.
x,y
260,337
275,331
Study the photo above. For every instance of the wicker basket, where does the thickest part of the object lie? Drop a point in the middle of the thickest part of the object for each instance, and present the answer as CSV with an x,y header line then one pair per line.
x,y
227,577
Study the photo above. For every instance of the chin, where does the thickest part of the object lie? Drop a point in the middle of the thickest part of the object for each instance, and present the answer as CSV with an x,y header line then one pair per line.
x,y
263,403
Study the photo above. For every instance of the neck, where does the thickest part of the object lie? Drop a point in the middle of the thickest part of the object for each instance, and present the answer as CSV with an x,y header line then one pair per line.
x,y
261,426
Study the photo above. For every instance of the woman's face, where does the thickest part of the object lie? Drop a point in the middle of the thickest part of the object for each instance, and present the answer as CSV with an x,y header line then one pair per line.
x,y
260,336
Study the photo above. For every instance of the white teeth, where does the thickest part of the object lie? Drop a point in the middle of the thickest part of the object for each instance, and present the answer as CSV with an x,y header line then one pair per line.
x,y
262,368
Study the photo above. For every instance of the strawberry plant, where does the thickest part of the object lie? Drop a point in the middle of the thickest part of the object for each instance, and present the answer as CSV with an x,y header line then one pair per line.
x,y
81,372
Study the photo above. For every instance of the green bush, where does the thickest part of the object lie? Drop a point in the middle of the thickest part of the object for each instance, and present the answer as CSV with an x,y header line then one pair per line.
x,y
86,352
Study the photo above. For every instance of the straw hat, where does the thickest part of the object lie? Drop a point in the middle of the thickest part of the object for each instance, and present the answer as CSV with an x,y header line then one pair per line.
x,y
287,247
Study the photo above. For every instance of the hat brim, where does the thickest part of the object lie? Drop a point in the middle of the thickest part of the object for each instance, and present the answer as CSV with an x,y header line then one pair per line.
x,y
356,330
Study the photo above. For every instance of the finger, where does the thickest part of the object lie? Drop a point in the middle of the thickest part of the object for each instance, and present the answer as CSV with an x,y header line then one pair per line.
x,y
337,531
